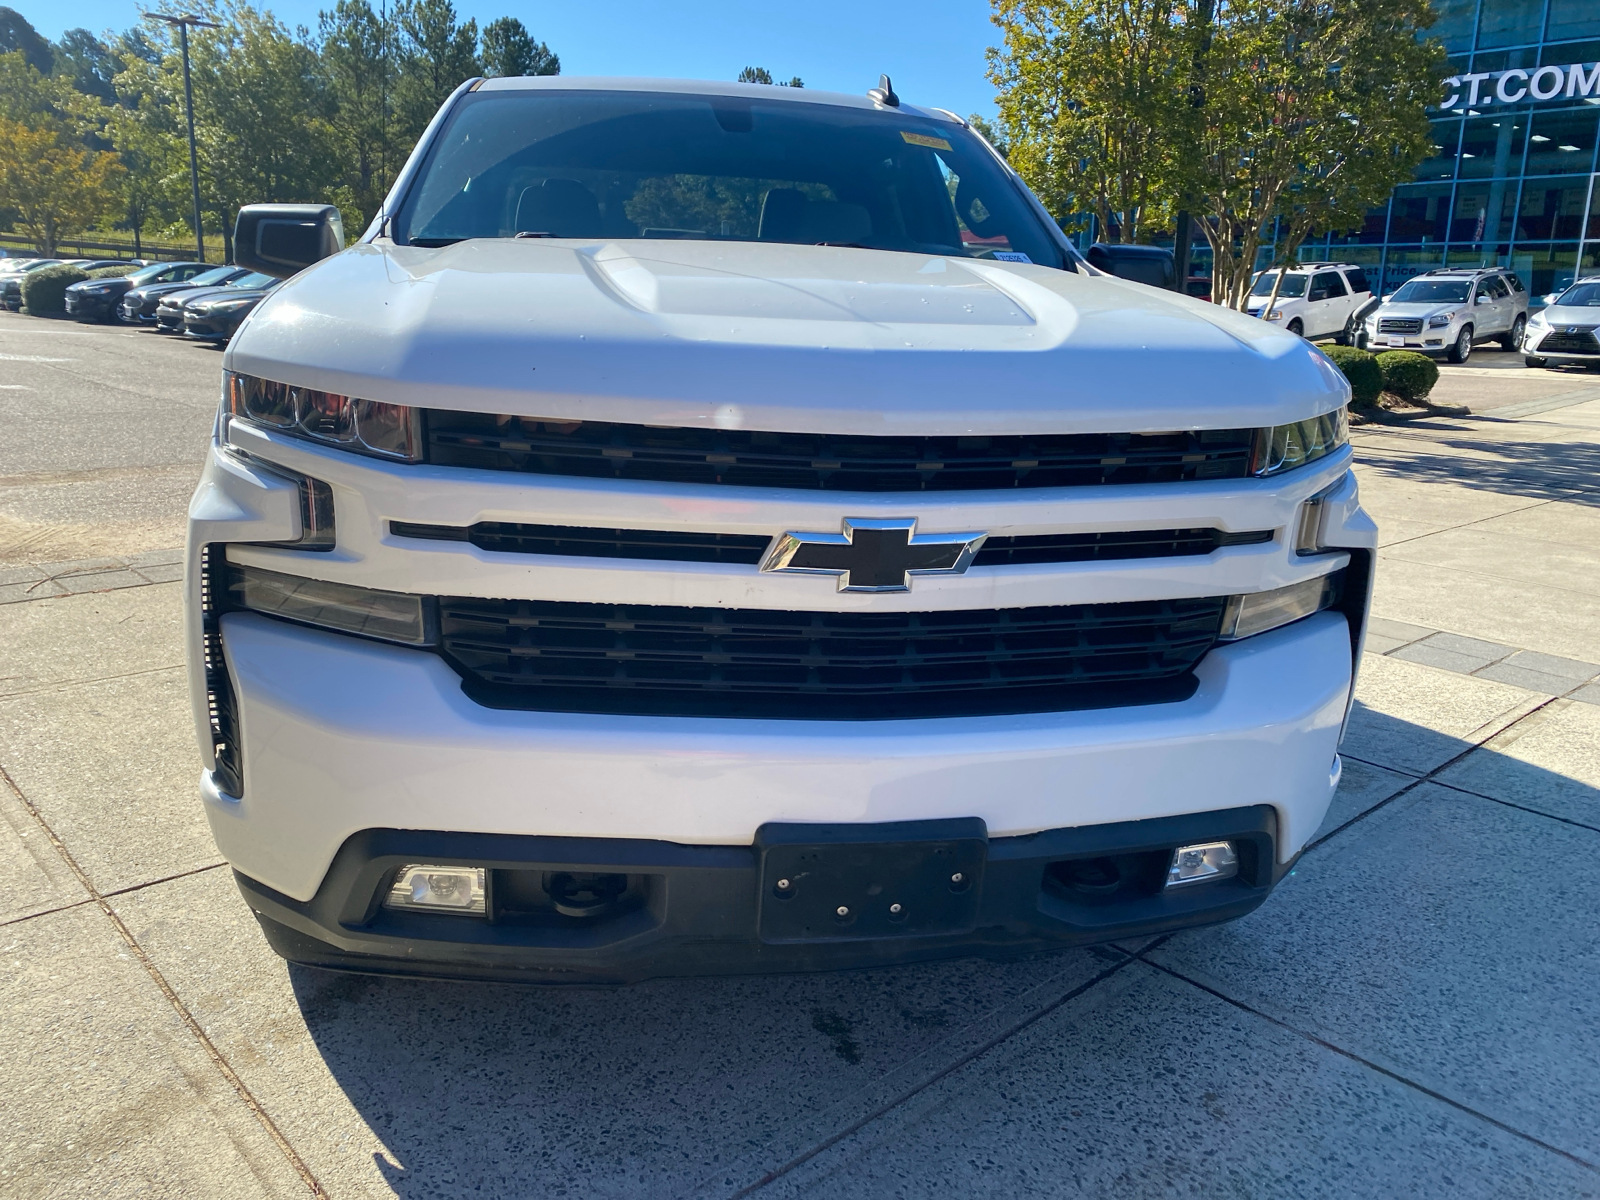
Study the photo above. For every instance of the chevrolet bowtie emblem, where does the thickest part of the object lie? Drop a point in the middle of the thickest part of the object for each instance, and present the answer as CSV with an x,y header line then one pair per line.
x,y
873,555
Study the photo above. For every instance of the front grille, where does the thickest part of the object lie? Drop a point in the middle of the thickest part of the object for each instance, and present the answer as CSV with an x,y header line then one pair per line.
x,y
828,462
559,656
748,549
1400,325
221,707
1580,341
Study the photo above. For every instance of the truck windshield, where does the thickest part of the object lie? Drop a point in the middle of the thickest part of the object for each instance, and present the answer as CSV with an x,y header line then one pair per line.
x,y
623,165
1293,285
1432,291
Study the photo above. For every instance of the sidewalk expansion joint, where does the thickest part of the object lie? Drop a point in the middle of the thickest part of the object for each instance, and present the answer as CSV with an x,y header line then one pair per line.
x,y
1370,1065
182,1010
1431,777
927,1081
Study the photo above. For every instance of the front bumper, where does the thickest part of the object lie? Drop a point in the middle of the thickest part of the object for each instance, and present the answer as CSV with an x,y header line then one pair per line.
x,y
342,735
91,308
211,329
1534,337
694,910
1429,341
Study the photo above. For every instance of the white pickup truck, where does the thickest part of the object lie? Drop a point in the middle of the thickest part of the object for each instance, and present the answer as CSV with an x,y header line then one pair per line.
x,y
713,528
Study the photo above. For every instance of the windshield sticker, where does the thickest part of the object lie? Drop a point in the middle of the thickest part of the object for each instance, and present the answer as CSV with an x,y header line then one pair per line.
x,y
922,139
1012,256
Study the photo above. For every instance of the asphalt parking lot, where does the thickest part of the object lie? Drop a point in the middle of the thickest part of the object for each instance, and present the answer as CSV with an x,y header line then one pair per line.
x,y
1414,1011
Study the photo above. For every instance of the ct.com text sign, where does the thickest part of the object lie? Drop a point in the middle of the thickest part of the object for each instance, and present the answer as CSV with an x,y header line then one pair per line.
x,y
1512,86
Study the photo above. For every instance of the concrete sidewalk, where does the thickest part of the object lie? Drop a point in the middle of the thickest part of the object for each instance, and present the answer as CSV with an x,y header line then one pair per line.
x,y
1413,1012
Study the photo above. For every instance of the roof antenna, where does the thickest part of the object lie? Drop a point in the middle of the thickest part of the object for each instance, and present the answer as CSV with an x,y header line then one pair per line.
x,y
884,93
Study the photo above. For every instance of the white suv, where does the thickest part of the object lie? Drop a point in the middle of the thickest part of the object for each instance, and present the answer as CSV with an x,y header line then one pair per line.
x,y
1317,300
1450,311
710,527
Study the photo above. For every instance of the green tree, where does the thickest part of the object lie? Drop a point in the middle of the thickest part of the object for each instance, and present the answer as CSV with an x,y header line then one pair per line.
x,y
261,111
358,56
508,50
762,75
1311,113
436,56
16,34
87,63
57,186
1090,102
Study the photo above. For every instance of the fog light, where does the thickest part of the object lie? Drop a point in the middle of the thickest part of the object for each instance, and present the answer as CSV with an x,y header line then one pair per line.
x,y
1201,862
439,889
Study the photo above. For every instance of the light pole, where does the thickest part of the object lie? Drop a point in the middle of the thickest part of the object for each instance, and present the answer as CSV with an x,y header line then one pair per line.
x,y
183,24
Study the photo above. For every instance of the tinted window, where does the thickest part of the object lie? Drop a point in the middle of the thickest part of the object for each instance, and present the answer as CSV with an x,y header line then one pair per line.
x,y
1496,287
1433,291
1329,284
255,279
1293,285
1516,284
1358,280
214,275
623,165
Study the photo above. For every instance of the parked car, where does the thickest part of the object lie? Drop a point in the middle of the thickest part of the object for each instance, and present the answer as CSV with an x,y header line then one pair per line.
x,y
169,308
11,281
213,316
98,299
138,305
11,285
1449,311
1564,332
588,581
1142,264
1316,300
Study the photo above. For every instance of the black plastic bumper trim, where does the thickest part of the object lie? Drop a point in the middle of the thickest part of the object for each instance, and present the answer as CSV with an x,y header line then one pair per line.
x,y
695,908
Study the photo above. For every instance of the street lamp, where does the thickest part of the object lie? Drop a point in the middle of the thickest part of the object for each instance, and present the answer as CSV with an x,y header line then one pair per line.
x,y
183,24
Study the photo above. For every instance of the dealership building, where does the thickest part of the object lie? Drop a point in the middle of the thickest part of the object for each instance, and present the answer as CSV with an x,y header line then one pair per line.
x,y
1514,180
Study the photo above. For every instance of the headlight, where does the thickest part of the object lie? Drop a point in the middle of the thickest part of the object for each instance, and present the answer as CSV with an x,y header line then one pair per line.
x,y
225,306
1275,315
388,616
1441,320
327,418
1258,612
99,289
1538,319
1286,447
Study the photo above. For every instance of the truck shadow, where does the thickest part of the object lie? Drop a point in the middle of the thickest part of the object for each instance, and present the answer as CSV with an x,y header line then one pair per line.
x,y
673,1086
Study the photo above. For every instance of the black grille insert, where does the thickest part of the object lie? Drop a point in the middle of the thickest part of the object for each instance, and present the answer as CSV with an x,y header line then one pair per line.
x,y
748,549
222,709
1581,340
559,656
1400,325
832,462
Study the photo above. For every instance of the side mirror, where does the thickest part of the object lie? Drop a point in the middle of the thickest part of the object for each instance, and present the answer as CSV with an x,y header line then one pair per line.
x,y
1484,298
282,239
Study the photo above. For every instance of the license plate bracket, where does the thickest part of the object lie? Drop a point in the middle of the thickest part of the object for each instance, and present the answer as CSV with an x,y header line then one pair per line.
x,y
932,869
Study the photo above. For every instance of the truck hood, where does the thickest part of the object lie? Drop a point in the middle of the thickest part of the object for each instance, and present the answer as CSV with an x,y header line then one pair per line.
x,y
765,336
1421,310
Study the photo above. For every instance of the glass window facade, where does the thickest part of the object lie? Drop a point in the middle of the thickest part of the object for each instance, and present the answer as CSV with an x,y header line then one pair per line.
x,y
1514,179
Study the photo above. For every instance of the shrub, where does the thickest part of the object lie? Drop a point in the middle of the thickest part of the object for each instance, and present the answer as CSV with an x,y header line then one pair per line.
x,y
45,291
1363,372
114,272
1407,374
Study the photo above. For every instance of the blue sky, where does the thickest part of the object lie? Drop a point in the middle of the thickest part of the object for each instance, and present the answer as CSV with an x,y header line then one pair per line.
x,y
932,48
